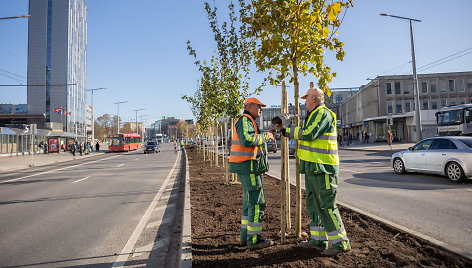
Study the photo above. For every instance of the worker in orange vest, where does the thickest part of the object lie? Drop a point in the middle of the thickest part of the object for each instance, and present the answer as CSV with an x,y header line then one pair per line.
x,y
248,158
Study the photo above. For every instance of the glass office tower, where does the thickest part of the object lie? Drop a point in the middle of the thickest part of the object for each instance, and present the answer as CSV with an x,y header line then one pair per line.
x,y
57,50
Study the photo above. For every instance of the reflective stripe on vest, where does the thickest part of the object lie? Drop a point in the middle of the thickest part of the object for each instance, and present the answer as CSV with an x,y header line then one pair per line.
x,y
324,149
240,153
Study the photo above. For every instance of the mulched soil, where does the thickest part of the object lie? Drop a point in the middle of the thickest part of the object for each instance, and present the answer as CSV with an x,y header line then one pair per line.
x,y
216,214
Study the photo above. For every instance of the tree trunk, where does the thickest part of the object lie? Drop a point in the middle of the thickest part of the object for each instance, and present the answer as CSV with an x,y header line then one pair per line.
x,y
298,202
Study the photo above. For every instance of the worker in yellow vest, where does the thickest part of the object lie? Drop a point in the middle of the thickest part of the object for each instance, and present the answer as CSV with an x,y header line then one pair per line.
x,y
248,158
319,161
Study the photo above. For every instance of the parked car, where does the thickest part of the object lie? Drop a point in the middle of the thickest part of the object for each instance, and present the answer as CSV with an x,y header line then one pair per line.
x,y
447,156
272,146
152,147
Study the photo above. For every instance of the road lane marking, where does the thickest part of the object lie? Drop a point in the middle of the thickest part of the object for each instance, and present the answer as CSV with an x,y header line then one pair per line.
x,y
150,247
137,158
159,222
348,170
120,165
46,172
82,179
128,249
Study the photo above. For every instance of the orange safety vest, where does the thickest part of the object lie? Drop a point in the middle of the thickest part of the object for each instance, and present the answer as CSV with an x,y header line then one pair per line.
x,y
239,153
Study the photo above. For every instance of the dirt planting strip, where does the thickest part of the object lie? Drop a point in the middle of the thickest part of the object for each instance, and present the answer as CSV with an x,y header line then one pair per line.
x,y
216,214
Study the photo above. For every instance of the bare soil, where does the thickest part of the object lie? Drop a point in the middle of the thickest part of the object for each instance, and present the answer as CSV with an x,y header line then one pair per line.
x,y
216,215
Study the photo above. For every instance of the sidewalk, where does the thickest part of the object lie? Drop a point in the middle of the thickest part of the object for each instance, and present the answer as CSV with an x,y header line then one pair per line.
x,y
11,163
377,146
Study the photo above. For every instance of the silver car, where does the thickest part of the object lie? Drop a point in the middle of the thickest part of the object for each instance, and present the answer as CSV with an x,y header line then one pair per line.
x,y
447,156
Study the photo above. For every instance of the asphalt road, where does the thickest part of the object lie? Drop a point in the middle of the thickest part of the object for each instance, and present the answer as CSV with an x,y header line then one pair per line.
x,y
429,204
107,210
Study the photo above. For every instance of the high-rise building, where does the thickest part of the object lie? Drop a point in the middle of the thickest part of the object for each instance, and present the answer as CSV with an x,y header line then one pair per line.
x,y
57,49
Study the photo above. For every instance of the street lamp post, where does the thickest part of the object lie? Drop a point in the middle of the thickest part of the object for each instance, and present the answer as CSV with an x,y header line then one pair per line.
x,y
93,111
15,17
137,118
141,120
118,116
419,129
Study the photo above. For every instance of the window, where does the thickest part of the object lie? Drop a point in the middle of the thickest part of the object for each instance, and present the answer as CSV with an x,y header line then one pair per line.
x,y
424,87
422,145
399,108
389,107
407,106
442,144
406,87
469,84
468,115
452,101
432,87
451,86
389,88
462,101
425,105
434,104
339,99
397,88
443,103
442,85
461,85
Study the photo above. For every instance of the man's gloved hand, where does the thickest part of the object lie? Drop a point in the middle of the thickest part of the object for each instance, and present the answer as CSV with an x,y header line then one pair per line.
x,y
281,121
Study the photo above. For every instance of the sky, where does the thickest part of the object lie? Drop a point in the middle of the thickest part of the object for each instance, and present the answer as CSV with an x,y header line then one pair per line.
x,y
137,50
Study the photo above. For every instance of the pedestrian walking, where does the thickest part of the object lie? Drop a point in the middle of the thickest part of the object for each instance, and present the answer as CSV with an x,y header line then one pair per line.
x,y
248,159
340,139
182,144
389,138
97,146
350,138
81,147
319,161
72,148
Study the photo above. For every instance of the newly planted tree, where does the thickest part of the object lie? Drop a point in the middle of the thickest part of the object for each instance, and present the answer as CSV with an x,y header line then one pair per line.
x,y
292,38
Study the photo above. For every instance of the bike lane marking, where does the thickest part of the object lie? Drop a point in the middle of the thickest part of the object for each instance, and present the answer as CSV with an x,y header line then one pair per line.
x,y
128,248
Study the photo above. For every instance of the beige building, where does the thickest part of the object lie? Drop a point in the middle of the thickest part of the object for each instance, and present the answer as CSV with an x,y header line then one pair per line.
x,y
391,98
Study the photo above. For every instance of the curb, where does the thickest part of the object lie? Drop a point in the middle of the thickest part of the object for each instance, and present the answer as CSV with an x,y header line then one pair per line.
x,y
404,229
186,244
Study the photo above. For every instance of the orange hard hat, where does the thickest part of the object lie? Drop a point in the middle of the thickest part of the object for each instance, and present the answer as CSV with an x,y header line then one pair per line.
x,y
254,100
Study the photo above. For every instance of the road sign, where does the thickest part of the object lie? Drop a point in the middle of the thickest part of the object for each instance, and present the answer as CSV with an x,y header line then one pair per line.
x,y
339,122
366,123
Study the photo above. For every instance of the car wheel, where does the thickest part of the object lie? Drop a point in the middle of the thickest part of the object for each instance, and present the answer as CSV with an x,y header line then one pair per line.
x,y
455,172
398,166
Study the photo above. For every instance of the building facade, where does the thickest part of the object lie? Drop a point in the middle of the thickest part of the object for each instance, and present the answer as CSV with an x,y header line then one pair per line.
x,y
13,108
57,50
333,103
387,102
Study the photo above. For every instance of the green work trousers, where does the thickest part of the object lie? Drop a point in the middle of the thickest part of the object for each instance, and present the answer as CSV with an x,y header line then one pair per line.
x,y
326,223
253,207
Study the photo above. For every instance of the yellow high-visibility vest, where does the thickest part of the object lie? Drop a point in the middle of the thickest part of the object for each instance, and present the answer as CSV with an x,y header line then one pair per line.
x,y
324,149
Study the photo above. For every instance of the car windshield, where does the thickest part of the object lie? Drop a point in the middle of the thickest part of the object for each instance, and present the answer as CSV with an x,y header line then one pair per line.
x,y
467,142
151,143
450,117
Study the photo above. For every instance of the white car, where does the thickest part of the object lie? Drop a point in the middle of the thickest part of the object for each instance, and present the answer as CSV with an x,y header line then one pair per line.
x,y
448,156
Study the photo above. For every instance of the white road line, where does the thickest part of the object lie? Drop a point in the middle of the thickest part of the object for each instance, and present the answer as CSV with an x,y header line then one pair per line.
x,y
159,222
120,165
82,179
163,207
45,172
352,171
127,250
137,158
150,247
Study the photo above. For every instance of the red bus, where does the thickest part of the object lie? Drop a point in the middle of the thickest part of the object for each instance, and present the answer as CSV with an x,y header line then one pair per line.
x,y
125,142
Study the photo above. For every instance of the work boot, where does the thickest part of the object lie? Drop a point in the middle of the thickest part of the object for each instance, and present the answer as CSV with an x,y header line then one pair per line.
x,y
332,252
312,245
262,243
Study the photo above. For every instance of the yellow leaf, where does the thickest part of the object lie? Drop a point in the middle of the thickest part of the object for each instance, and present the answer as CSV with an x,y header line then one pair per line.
x,y
336,8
